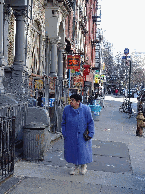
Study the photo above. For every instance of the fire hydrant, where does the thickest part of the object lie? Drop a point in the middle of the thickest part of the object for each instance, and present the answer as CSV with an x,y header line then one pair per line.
x,y
140,124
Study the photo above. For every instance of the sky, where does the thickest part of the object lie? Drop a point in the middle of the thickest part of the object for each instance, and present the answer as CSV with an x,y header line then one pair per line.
x,y
123,24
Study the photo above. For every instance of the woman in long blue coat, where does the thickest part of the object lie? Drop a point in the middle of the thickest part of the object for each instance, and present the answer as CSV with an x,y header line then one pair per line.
x,y
76,118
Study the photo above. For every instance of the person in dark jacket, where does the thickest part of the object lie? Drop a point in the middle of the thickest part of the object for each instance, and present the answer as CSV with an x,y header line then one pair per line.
x,y
96,95
40,99
76,119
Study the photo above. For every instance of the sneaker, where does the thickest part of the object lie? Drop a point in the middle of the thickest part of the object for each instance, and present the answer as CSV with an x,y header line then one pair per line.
x,y
83,169
75,170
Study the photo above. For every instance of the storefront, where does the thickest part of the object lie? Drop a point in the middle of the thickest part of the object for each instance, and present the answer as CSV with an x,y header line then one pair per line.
x,y
38,88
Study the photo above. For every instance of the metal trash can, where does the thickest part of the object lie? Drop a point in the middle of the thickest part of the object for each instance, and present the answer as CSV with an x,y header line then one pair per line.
x,y
34,141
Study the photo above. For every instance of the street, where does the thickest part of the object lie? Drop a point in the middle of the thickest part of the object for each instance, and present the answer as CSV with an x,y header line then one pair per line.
x,y
118,161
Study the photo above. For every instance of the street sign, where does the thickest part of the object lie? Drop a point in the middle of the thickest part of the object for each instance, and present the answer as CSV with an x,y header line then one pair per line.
x,y
124,57
126,51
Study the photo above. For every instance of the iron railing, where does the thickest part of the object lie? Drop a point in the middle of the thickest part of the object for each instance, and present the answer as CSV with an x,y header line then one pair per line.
x,y
12,121
7,146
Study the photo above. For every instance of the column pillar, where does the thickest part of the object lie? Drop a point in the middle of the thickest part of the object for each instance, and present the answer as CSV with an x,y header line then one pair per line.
x,y
59,85
1,47
7,71
60,60
1,29
7,14
47,54
53,67
20,38
19,60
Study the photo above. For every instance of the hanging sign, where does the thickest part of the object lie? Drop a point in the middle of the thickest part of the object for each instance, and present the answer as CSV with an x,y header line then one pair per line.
x,y
126,51
75,73
78,81
73,62
86,71
97,78
103,66
39,84
52,83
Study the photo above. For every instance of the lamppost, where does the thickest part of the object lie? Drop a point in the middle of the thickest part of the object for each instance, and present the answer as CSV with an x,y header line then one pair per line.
x,y
126,52
129,77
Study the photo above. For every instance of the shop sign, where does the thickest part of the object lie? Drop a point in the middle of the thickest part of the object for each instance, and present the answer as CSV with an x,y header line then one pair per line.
x,y
86,71
51,102
39,84
78,81
75,73
97,78
52,83
73,62
97,71
103,66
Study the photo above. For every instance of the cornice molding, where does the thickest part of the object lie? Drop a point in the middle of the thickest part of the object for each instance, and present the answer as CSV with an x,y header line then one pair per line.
x,y
54,40
19,12
61,46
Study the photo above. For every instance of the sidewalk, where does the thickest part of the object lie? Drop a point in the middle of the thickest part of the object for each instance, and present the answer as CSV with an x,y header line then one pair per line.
x,y
118,165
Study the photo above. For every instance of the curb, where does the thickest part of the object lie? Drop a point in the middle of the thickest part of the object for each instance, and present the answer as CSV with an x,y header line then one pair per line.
x,y
55,137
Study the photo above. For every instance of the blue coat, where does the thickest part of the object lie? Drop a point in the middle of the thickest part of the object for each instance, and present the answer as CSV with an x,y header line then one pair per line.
x,y
74,123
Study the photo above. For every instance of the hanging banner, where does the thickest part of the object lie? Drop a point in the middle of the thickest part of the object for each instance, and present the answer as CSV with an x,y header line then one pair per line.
x,y
78,81
73,62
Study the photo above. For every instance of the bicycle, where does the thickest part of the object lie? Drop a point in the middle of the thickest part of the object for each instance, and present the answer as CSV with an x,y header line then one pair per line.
x,y
126,107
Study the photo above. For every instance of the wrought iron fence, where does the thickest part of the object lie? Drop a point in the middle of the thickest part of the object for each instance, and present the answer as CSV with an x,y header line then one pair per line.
x,y
7,146
12,120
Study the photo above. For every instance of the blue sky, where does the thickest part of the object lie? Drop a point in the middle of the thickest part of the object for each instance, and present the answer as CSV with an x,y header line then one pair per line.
x,y
123,23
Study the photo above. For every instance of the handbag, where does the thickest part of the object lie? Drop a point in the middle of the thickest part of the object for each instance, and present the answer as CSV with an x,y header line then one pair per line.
x,y
85,134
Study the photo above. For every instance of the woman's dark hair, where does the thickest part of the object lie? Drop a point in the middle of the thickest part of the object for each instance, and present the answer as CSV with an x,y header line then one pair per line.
x,y
76,97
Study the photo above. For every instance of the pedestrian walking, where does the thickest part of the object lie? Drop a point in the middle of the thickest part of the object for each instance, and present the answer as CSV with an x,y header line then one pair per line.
x,y
40,95
96,95
116,91
125,92
109,91
76,119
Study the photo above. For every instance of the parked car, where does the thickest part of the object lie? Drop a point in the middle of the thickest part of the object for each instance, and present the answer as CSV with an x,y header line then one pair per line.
x,y
134,90
122,91
140,92
131,94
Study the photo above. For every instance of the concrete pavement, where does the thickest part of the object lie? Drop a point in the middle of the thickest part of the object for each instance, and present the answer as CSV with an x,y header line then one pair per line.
x,y
118,165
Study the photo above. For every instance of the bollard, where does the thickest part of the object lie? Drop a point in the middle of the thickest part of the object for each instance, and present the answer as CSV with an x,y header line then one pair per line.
x,y
140,124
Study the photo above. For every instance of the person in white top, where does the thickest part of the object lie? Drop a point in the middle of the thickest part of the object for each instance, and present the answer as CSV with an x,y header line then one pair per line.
x,y
126,92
